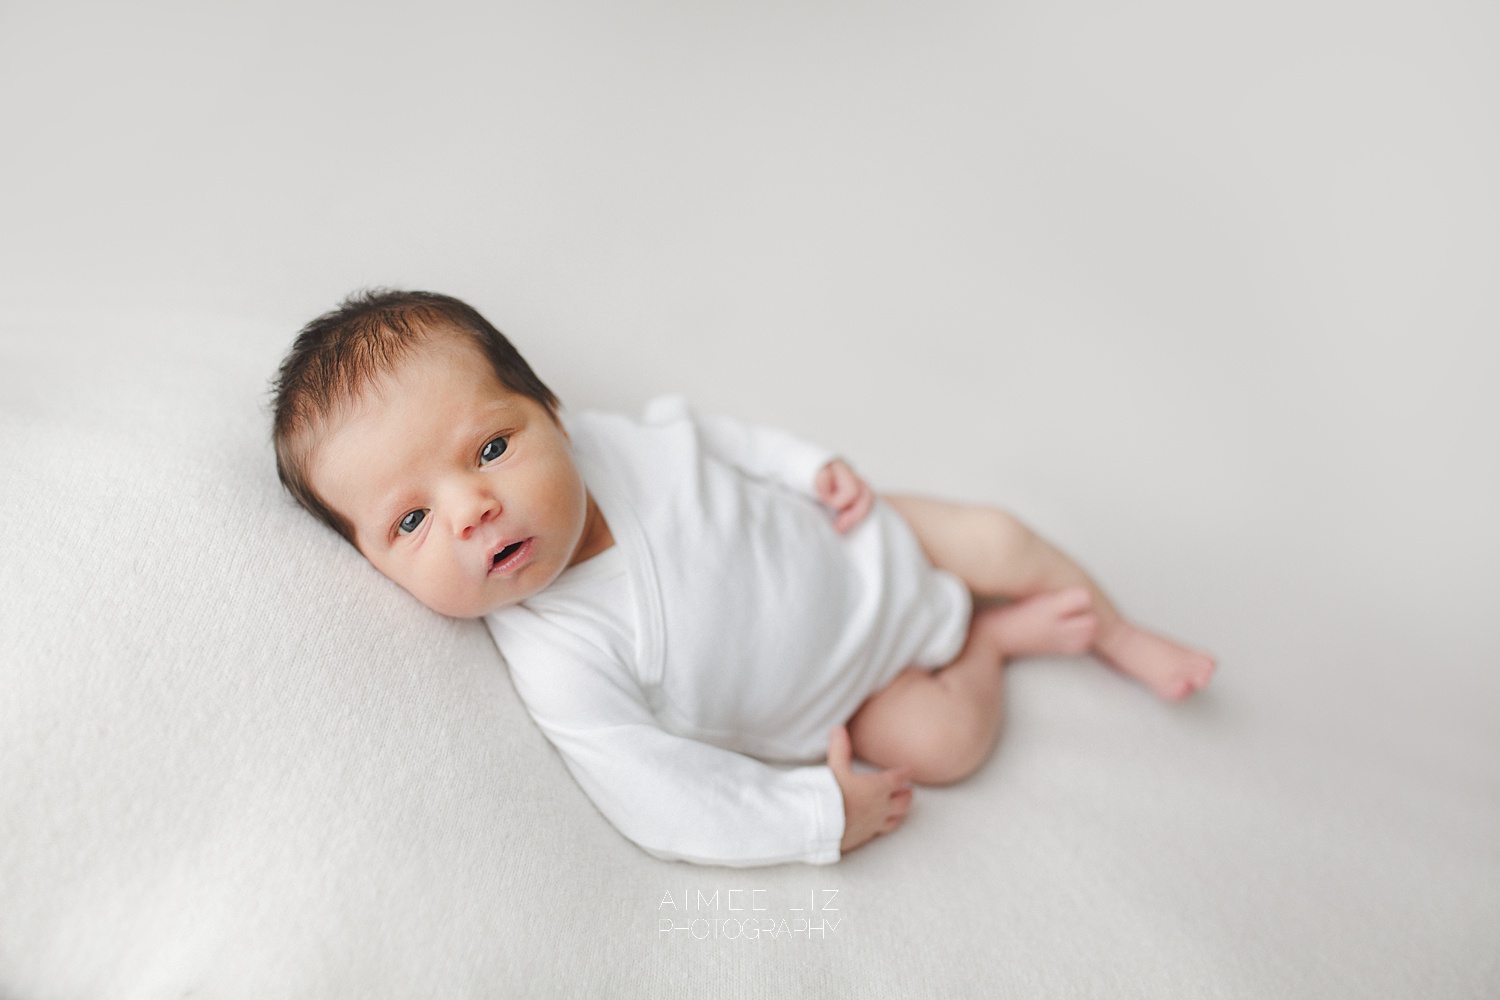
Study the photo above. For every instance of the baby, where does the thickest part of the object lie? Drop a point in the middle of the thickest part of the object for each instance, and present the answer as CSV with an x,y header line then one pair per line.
x,y
697,613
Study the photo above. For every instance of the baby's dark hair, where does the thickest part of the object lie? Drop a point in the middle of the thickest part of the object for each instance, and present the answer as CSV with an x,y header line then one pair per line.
x,y
338,354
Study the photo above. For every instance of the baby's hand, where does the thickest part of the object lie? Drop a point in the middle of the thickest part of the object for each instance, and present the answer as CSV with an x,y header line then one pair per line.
x,y
874,803
843,492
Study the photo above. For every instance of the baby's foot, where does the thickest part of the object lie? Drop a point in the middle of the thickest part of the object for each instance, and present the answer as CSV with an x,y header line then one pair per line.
x,y
1061,621
1172,671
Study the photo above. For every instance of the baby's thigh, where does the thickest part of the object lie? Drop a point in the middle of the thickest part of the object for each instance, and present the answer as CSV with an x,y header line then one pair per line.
x,y
982,546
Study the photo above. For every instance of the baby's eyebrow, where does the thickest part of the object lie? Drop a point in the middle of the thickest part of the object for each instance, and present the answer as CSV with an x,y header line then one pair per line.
x,y
386,511
496,418
498,409
400,496
396,503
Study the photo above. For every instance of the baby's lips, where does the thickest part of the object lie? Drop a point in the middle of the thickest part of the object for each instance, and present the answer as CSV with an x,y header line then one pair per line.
x,y
499,547
507,552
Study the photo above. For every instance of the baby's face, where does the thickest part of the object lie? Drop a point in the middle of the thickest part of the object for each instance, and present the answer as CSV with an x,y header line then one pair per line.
x,y
459,490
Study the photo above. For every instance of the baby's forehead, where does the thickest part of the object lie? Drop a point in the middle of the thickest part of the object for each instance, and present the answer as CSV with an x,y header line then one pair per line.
x,y
440,355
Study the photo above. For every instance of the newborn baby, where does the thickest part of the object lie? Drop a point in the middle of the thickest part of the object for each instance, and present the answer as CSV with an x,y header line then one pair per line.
x,y
708,620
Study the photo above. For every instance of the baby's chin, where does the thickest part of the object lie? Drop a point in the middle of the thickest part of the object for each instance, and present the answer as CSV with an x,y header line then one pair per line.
x,y
466,609
450,602
476,598
469,605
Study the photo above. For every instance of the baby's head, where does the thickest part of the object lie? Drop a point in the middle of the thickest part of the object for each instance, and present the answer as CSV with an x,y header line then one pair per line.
x,y
412,427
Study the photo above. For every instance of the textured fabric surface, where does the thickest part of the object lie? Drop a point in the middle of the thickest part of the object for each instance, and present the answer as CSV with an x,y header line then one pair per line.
x,y
1206,294
238,762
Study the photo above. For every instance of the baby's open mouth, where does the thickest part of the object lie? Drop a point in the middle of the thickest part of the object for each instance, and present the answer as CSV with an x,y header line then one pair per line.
x,y
512,558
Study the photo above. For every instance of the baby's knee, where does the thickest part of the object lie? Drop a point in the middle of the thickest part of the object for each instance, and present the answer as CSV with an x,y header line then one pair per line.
x,y
1001,536
919,722
952,750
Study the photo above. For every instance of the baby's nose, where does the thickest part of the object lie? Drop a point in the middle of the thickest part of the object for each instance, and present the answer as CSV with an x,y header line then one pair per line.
x,y
480,510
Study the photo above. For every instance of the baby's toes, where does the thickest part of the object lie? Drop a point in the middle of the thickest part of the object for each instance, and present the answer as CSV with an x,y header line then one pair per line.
x,y
1204,670
1176,689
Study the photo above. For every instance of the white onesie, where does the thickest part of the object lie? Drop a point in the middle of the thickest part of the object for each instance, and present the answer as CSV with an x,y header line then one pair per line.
x,y
682,672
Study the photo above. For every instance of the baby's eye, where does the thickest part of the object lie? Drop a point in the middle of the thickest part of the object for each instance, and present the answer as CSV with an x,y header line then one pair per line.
x,y
409,523
493,450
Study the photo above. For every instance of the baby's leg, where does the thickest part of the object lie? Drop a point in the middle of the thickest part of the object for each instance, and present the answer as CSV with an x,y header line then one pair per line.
x,y
944,723
998,556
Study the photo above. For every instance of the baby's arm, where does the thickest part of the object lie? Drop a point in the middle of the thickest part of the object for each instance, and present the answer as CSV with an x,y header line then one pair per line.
x,y
683,800
677,798
762,452
776,456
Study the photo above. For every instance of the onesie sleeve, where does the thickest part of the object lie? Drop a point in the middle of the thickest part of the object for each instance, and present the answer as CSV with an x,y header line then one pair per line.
x,y
763,452
678,799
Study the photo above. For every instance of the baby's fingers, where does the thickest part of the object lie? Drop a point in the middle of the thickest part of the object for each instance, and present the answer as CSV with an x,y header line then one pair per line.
x,y
855,511
830,483
900,804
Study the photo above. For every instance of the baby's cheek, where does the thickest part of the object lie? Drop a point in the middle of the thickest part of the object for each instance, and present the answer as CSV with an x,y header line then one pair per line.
x,y
459,595
428,585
